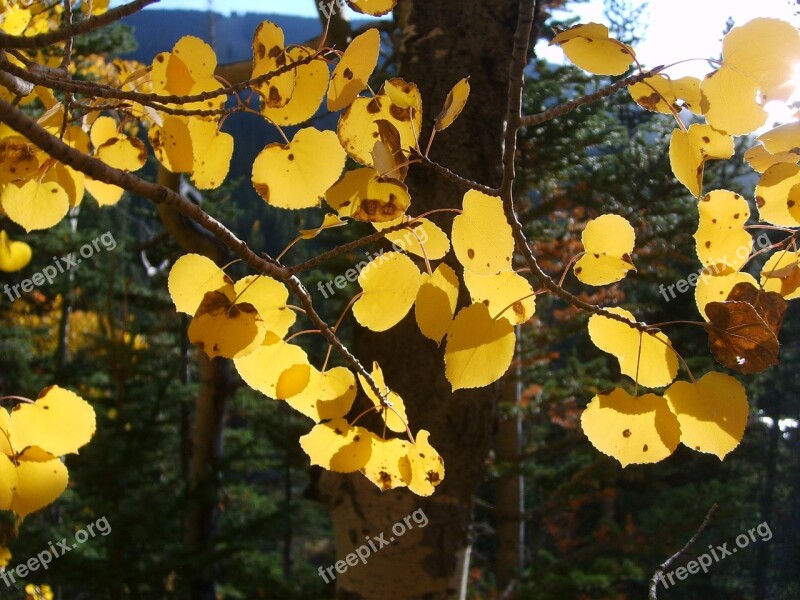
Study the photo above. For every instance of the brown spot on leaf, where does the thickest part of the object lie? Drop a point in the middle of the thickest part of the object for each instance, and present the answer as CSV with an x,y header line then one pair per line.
x,y
374,106
348,74
626,433
471,253
644,448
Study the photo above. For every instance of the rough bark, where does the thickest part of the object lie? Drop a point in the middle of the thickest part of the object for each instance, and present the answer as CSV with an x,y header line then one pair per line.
x,y
439,42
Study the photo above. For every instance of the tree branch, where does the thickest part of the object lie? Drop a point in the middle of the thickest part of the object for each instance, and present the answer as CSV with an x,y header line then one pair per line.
x,y
53,37
667,563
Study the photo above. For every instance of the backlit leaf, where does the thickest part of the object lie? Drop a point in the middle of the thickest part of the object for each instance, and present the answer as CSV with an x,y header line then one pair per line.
x,y
436,302
222,328
479,348
608,242
14,255
632,430
781,273
394,417
353,70
453,105
269,297
507,295
365,196
262,369
388,466
35,205
739,338
689,151
712,412
715,288
482,239
328,395
721,237
337,446
427,466
390,283
190,278
659,93
589,47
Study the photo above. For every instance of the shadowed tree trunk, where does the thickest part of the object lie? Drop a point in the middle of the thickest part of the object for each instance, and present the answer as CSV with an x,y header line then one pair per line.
x,y
439,43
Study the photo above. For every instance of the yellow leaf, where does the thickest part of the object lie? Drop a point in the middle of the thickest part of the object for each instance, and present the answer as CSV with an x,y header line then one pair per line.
x,y
649,355
337,446
712,412
172,144
608,242
15,19
59,422
481,235
721,237
589,47
427,466
68,178
103,130
403,94
715,287
311,83
632,430
365,196
761,160
479,348
376,8
688,153
453,105
661,94
296,175
390,283
388,466
263,368
211,152
785,138
507,295
780,260
269,55
425,234
222,328
18,159
124,153
35,205
394,417
190,278
331,220
355,66
106,194
38,484
358,127
14,255
436,302
773,195
328,395
269,298
758,62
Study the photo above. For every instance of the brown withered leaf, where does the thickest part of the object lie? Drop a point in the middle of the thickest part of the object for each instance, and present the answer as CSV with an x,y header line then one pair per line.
x,y
770,306
739,338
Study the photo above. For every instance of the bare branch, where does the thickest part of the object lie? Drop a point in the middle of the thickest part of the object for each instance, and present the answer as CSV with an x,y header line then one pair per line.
x,y
667,563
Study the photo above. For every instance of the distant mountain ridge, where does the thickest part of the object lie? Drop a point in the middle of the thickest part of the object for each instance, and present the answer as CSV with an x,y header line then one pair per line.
x,y
232,36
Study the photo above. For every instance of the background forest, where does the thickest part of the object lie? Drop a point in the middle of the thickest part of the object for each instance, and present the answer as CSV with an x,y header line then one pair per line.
x,y
108,330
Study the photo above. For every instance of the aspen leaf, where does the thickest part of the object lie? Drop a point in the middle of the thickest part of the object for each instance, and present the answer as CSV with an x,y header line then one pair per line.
x,y
296,175
172,144
38,484
390,283
72,181
293,381
661,94
507,295
387,153
589,47
739,338
436,302
403,94
388,466
15,19
427,466
358,127
355,66
106,194
18,159
721,237
223,328
689,151
328,395
124,153
712,412
14,255
758,62
425,234
328,222
760,159
479,348
311,83
453,105
269,297
190,278
649,355
608,242
395,418
633,430
365,196
781,273
715,288
269,55
773,195
376,8
481,235
262,369
35,205
103,129
59,422
212,151
784,138
337,446
770,306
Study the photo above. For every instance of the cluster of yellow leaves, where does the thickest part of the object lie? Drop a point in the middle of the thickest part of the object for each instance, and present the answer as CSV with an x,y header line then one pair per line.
x,y
32,438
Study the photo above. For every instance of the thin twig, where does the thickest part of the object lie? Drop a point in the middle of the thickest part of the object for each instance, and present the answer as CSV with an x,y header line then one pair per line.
x,y
667,563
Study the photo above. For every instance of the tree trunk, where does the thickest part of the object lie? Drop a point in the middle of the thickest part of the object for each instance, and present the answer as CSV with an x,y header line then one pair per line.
x,y
439,43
